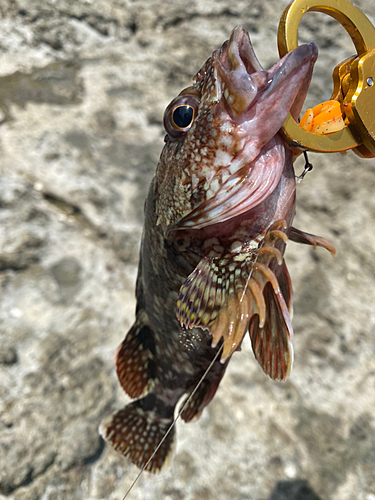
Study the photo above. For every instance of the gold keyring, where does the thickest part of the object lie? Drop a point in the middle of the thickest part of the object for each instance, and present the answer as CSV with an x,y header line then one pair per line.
x,y
361,32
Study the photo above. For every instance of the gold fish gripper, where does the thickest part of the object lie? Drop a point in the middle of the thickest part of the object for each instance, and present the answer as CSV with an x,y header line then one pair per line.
x,y
353,99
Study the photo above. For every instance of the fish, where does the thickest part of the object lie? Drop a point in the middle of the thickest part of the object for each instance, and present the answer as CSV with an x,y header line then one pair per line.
x,y
218,216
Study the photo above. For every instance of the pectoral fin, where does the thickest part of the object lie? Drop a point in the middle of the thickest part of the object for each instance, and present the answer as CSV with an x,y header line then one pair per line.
x,y
283,277
223,293
272,344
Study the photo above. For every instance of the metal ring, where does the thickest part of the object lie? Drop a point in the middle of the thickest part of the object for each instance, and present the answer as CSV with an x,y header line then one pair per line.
x,y
362,33
358,26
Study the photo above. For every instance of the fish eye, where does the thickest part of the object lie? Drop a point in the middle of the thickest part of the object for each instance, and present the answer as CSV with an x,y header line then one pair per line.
x,y
180,114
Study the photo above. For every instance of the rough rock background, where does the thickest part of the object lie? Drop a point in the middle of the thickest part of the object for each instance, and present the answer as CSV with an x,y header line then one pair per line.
x,y
83,86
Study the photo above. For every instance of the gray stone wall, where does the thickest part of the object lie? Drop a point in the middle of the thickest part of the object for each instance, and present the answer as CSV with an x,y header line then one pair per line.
x,y
83,86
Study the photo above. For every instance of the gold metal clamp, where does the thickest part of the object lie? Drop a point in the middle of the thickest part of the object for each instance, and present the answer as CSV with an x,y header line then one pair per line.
x,y
354,80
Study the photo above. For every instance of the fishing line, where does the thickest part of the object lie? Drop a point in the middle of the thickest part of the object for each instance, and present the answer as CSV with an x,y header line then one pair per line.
x,y
174,421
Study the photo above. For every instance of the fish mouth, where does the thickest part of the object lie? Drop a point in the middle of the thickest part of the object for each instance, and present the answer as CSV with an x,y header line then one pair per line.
x,y
244,81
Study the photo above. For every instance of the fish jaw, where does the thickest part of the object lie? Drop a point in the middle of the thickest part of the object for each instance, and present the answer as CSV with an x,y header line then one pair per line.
x,y
252,95
240,72
231,155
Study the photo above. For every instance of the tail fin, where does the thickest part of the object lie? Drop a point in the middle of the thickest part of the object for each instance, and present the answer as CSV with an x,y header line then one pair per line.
x,y
138,429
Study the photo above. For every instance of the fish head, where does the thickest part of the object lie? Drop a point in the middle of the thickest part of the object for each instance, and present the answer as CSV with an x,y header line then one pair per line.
x,y
219,160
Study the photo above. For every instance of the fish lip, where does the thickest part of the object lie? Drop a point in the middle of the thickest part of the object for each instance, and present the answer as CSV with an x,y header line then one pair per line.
x,y
234,63
289,64
239,46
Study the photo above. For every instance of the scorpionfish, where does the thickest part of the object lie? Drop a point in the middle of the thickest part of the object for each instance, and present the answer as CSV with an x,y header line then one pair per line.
x,y
217,219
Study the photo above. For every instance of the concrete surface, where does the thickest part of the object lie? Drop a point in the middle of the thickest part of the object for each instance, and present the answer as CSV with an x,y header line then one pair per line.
x,y
83,86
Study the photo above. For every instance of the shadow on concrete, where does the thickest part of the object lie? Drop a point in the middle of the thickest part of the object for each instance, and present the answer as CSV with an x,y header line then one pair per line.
x,y
293,490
